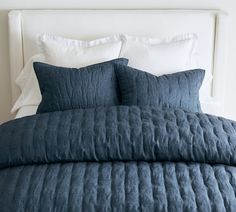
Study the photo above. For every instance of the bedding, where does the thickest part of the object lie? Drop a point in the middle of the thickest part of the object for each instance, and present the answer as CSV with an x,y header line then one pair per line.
x,y
160,56
119,158
178,90
63,52
26,111
152,54
70,88
28,84
60,51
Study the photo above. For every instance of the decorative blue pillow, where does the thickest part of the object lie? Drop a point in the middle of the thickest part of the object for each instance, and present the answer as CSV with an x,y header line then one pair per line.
x,y
70,88
178,90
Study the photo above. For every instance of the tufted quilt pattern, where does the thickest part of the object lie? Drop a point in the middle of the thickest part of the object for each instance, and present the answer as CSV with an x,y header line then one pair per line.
x,y
176,90
118,158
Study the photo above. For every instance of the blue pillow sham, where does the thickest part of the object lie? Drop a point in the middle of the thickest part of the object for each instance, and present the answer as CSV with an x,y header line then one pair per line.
x,y
70,88
178,90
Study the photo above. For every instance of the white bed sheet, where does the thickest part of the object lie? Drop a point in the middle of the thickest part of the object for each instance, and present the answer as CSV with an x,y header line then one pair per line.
x,y
26,111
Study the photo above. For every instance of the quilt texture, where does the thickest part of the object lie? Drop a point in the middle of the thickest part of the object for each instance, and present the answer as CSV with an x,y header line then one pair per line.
x,y
120,158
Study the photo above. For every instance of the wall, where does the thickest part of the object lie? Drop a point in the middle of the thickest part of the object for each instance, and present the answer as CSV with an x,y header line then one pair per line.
x,y
6,5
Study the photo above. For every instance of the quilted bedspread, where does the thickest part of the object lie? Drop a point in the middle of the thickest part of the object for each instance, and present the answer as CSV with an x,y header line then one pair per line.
x,y
118,159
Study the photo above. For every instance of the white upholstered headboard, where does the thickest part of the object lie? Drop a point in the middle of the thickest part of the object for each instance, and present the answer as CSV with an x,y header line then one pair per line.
x,y
209,25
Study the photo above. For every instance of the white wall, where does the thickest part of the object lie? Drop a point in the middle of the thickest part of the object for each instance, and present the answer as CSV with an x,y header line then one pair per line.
x,y
6,5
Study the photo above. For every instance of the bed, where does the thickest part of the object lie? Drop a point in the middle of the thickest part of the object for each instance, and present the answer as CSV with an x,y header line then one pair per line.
x,y
125,157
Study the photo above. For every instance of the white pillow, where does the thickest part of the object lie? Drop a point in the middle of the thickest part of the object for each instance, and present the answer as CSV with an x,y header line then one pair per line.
x,y
164,56
28,83
60,51
159,56
26,111
67,53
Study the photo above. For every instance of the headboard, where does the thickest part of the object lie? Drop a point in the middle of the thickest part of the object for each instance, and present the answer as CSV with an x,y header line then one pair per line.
x,y
209,25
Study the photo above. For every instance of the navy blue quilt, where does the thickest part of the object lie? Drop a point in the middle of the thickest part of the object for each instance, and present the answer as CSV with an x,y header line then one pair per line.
x,y
118,159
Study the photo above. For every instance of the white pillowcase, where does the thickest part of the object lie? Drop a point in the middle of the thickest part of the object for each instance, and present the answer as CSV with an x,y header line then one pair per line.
x,y
164,56
28,83
64,52
60,51
26,111
160,56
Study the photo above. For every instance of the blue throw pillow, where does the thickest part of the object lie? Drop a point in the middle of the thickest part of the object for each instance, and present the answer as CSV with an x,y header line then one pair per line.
x,y
70,88
178,90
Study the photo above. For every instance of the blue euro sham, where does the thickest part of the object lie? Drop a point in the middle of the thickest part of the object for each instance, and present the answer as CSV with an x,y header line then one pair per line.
x,y
178,90
70,88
